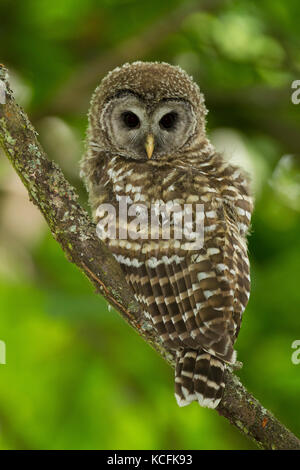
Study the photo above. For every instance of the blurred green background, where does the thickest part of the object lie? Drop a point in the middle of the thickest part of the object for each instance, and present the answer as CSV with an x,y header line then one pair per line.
x,y
77,377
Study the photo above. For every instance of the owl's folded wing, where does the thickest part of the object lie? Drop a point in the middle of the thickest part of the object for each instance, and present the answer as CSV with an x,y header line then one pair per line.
x,y
191,298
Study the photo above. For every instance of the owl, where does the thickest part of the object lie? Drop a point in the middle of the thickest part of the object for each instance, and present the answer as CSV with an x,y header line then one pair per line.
x,y
147,148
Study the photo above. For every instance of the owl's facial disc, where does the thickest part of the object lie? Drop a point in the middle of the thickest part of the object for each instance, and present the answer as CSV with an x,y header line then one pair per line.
x,y
139,130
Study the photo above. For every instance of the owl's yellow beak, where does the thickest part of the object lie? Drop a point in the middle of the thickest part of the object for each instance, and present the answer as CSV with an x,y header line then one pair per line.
x,y
149,145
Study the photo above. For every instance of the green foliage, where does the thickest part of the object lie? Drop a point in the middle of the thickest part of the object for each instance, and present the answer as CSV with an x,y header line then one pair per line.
x,y
76,375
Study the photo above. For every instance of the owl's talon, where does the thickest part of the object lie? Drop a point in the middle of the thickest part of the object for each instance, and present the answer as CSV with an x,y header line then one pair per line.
x,y
238,365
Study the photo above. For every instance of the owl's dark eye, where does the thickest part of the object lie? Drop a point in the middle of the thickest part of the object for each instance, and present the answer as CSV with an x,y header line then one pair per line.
x,y
168,120
131,120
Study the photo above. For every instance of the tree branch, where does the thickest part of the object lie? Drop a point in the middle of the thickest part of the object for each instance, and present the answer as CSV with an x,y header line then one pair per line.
x,y
72,227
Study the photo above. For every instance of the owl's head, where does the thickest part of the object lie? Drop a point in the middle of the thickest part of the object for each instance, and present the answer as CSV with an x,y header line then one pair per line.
x,y
146,111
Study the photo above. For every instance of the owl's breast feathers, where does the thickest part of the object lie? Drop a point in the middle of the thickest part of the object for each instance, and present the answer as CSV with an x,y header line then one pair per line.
x,y
194,297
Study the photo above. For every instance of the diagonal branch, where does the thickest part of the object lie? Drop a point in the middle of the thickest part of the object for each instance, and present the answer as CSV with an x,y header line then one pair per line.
x,y
72,227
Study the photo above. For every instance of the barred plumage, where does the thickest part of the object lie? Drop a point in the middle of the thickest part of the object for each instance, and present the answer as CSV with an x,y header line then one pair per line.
x,y
195,298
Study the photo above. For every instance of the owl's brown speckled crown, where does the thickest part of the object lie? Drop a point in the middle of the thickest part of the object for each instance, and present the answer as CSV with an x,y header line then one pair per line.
x,y
153,81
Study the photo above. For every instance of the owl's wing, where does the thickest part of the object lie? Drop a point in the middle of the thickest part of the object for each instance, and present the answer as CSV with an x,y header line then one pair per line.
x,y
219,279
196,299
192,298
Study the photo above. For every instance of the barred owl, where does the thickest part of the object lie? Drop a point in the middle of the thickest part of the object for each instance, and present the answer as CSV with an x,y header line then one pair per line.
x,y
147,143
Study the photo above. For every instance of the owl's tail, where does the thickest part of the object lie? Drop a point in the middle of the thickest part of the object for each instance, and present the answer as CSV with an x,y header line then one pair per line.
x,y
198,377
